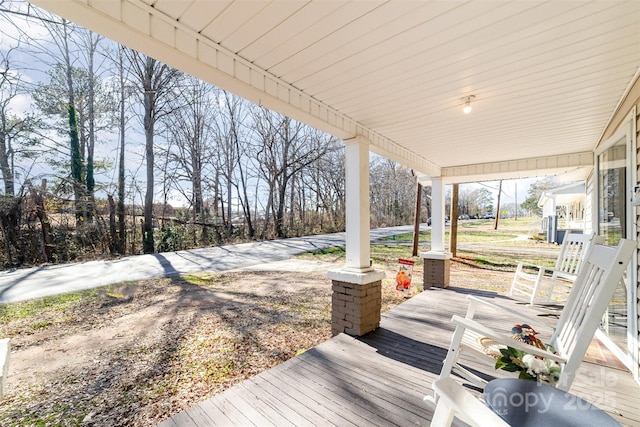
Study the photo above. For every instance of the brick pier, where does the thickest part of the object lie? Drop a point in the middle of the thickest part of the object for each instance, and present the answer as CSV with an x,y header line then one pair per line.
x,y
436,269
355,308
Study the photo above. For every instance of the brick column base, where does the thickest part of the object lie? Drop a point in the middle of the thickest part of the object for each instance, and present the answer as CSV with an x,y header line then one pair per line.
x,y
355,308
436,270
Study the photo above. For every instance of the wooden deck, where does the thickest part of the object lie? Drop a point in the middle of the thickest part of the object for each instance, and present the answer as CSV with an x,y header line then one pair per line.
x,y
380,379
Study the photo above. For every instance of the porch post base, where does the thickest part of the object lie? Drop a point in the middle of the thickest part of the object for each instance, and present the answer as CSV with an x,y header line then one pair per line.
x,y
356,302
437,266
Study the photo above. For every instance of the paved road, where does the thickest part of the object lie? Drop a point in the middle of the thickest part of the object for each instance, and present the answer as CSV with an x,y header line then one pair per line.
x,y
24,284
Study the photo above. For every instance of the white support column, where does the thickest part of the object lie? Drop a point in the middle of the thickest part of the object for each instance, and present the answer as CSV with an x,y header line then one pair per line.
x,y
357,287
437,260
437,215
357,206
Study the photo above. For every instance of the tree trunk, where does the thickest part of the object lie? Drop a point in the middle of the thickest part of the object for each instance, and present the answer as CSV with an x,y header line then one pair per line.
x,y
267,211
204,238
90,181
5,167
247,208
148,245
495,227
121,246
282,193
229,203
76,165
291,203
45,225
76,156
216,206
10,207
113,234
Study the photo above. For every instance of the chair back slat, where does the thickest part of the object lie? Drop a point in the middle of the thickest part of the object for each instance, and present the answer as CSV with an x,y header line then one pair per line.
x,y
576,310
590,295
574,249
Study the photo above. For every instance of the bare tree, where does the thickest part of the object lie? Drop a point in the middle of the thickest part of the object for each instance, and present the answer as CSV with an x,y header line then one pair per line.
x,y
16,129
474,201
123,89
325,181
392,192
157,84
74,93
89,43
62,80
192,141
286,148
235,156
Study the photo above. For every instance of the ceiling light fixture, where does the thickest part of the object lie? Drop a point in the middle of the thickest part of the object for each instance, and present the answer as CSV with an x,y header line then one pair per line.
x,y
467,103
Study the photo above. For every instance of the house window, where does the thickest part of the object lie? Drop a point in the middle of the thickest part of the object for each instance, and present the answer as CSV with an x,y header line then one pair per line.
x,y
612,180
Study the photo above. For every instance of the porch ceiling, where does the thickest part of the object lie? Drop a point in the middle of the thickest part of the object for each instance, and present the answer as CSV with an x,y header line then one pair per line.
x,y
546,77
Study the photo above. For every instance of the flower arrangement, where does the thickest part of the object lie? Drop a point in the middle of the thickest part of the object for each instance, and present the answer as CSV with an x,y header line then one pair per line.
x,y
527,334
530,367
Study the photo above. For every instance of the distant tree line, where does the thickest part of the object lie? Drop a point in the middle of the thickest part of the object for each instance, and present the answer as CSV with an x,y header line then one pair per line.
x,y
98,140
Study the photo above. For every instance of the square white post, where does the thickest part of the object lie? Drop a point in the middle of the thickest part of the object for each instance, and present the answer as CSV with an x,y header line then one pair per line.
x,y
358,250
437,215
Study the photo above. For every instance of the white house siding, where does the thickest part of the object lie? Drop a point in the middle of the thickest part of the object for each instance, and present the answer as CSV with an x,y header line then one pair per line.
x,y
637,221
589,204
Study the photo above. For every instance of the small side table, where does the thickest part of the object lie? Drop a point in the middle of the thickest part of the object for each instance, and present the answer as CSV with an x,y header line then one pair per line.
x,y
524,403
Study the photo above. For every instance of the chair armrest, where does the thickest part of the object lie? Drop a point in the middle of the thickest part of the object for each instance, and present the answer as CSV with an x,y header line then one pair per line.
x,y
469,409
551,270
505,340
561,275
527,264
525,319
558,282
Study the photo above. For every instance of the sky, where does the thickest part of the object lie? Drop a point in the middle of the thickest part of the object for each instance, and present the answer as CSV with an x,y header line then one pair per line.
x,y
509,188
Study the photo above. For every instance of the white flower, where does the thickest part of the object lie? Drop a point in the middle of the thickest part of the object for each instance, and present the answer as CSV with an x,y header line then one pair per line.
x,y
534,365
548,370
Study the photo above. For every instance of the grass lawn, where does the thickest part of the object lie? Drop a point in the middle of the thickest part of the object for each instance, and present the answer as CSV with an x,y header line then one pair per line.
x,y
478,244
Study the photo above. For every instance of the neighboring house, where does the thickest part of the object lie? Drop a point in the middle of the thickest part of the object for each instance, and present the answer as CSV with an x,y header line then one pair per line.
x,y
563,210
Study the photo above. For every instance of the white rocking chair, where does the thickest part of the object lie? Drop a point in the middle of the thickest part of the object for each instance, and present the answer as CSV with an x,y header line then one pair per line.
x,y
540,289
457,402
601,272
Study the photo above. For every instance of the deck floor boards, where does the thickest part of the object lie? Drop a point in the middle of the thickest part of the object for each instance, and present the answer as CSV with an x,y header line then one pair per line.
x,y
380,379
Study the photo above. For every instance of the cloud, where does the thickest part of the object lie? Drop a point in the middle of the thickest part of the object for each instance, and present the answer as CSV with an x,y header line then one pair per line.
x,y
20,105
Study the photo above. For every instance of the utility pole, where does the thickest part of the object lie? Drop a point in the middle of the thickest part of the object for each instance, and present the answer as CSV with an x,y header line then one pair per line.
x,y
516,201
498,208
416,224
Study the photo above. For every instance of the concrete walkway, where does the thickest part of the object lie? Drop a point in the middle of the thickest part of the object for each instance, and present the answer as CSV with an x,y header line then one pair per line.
x,y
30,283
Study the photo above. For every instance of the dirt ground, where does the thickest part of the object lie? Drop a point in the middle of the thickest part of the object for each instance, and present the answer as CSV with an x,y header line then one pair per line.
x,y
137,353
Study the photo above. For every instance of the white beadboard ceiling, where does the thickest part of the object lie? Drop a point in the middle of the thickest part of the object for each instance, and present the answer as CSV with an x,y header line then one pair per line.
x,y
546,76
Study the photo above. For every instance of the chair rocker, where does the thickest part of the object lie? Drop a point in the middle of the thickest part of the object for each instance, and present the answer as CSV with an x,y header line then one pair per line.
x,y
594,286
538,288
